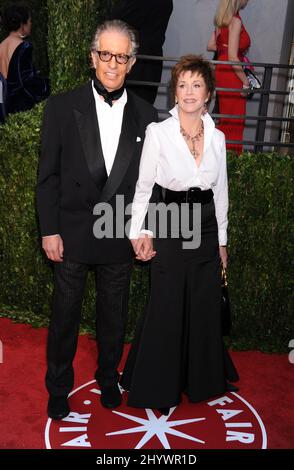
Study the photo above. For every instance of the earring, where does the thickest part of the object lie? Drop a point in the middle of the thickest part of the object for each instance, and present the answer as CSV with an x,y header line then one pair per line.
x,y
204,109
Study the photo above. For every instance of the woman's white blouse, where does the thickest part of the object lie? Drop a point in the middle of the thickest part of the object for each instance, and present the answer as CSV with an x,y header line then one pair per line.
x,y
167,160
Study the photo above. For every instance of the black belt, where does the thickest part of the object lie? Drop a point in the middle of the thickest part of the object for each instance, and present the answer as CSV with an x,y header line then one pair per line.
x,y
189,196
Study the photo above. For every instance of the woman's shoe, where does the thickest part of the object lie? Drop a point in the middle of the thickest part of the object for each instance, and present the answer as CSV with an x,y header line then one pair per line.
x,y
110,396
164,411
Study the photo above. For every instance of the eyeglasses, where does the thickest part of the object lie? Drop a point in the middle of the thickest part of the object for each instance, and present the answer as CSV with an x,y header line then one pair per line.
x,y
106,56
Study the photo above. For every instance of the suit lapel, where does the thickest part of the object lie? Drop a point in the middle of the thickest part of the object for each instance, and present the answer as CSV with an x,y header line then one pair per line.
x,y
125,150
87,122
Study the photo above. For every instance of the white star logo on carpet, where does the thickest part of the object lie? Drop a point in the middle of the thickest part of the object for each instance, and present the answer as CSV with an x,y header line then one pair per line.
x,y
224,422
154,426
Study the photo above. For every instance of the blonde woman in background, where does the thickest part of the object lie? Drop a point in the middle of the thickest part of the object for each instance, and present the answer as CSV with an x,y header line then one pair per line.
x,y
231,41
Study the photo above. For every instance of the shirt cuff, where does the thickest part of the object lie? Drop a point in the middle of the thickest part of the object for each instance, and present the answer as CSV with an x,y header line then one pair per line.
x,y
148,232
222,237
53,235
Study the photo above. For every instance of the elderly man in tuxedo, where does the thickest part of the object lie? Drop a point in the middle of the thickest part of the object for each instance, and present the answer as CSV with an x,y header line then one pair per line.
x,y
91,146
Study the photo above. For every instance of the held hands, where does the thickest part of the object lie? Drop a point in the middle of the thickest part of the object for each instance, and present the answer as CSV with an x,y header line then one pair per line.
x,y
53,247
143,247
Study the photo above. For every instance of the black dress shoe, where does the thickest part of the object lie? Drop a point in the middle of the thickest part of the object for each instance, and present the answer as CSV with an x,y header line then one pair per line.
x,y
57,408
110,396
164,411
231,388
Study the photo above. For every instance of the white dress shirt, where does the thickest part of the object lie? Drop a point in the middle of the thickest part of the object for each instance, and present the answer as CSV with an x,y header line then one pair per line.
x,y
110,122
167,160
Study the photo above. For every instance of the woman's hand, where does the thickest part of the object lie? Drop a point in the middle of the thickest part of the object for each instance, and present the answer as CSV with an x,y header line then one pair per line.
x,y
143,247
223,256
246,90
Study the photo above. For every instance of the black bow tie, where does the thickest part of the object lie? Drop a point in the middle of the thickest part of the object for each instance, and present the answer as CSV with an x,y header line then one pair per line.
x,y
109,96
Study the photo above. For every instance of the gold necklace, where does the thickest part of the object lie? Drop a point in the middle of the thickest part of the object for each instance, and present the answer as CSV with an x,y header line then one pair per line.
x,y
193,139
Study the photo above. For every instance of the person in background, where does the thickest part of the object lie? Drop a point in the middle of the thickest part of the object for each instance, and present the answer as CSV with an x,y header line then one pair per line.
x,y
231,41
178,345
150,19
25,87
92,140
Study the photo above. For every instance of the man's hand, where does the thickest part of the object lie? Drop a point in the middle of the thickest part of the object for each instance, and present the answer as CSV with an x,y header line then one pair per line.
x,y
143,247
53,247
223,256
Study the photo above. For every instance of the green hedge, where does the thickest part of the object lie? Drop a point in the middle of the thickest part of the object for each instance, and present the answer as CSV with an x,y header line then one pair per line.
x,y
260,249
70,29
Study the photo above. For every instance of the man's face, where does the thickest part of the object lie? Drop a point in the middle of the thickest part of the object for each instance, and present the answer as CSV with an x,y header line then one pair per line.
x,y
111,74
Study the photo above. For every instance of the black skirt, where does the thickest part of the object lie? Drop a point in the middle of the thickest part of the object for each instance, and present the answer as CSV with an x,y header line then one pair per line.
x,y
178,345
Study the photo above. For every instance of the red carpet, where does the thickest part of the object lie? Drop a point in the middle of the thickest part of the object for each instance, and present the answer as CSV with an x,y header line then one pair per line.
x,y
266,385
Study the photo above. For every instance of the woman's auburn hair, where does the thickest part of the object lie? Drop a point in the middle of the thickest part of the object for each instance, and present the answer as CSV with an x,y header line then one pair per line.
x,y
194,64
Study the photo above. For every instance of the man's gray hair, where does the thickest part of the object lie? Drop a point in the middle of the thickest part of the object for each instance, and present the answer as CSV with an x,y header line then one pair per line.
x,y
118,26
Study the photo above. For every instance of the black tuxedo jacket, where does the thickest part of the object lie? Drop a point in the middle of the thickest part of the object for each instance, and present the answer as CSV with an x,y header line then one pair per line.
x,y
72,177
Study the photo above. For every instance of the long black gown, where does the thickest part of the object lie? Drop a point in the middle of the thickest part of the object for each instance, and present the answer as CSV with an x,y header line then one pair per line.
x,y
178,345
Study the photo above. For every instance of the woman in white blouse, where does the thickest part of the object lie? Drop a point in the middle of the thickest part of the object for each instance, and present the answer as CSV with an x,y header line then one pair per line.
x,y
178,345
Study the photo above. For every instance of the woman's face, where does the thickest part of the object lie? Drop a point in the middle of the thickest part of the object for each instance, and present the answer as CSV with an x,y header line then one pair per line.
x,y
191,92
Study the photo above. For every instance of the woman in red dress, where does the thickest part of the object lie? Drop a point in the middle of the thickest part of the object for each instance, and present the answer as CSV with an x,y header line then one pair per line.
x,y
231,40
